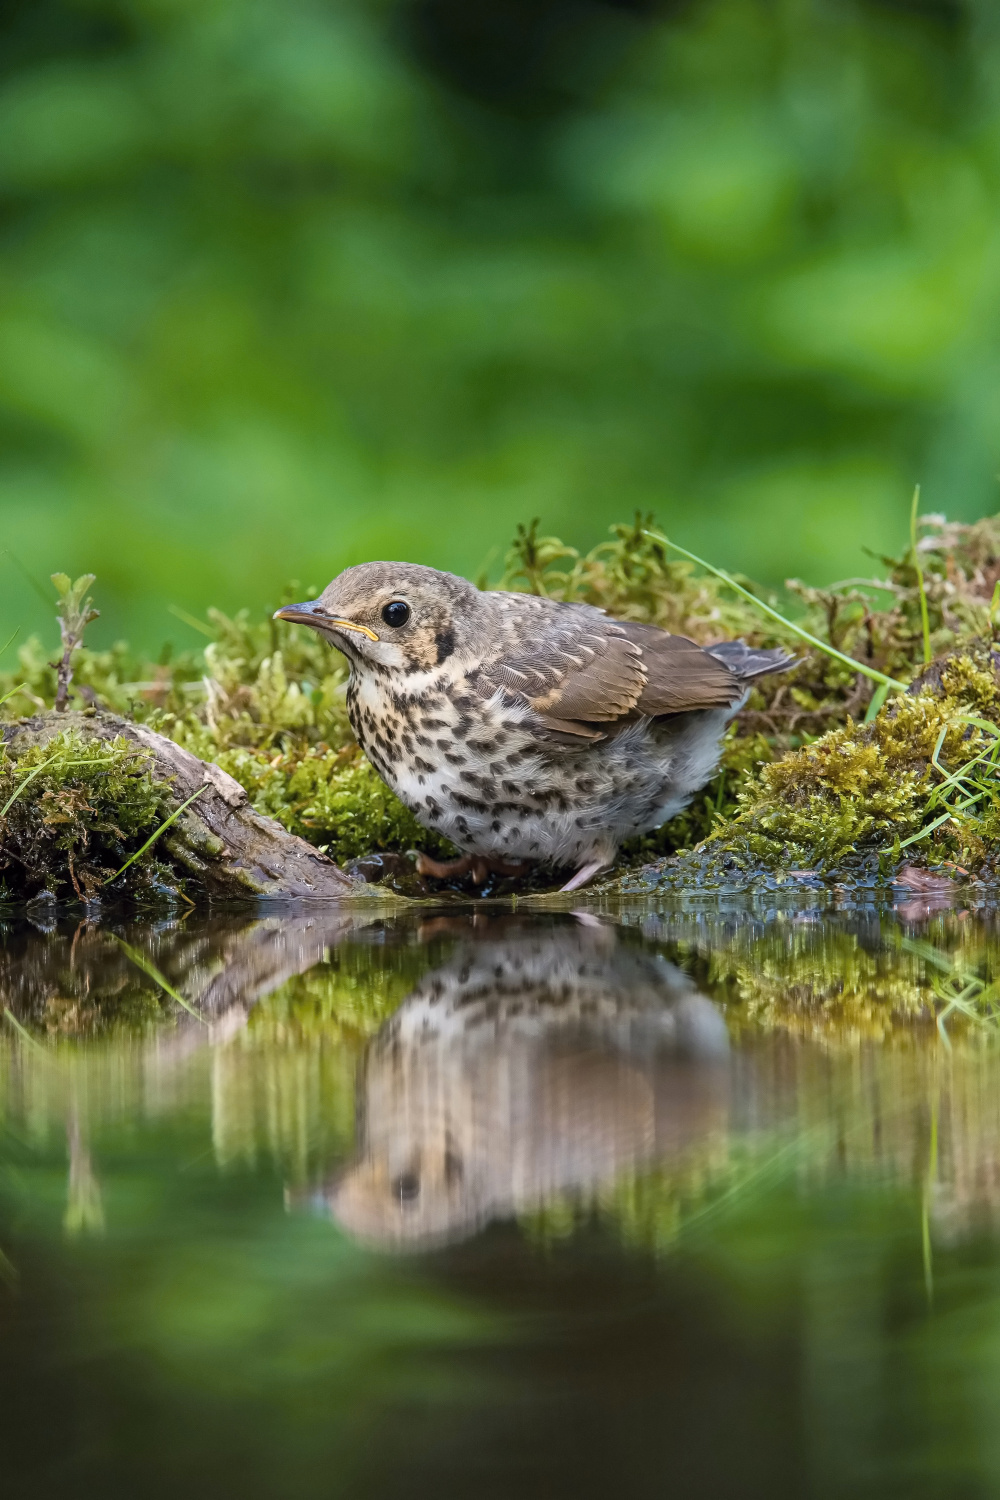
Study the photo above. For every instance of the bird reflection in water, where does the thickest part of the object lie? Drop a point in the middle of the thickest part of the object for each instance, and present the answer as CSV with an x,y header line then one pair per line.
x,y
534,1065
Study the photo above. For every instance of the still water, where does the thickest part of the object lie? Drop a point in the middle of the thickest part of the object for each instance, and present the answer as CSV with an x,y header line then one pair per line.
x,y
698,1201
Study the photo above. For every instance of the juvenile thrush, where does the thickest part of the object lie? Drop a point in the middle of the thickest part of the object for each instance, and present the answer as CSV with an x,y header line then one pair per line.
x,y
534,1066
523,729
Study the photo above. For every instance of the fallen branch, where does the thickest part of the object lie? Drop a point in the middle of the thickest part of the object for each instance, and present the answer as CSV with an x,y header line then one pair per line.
x,y
219,841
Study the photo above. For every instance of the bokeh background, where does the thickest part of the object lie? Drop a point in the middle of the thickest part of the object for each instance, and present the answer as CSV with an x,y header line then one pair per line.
x,y
288,284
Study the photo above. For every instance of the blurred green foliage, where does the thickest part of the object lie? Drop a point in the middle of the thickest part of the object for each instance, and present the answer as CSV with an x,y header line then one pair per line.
x,y
292,283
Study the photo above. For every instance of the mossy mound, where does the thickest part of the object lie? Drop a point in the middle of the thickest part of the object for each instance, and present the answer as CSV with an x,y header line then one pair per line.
x,y
921,781
804,785
72,812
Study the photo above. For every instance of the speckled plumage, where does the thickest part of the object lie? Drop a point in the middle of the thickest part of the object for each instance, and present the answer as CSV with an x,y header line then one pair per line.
x,y
522,728
531,1068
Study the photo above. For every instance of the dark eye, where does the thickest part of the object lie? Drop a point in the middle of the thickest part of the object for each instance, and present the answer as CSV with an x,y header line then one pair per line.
x,y
395,614
406,1188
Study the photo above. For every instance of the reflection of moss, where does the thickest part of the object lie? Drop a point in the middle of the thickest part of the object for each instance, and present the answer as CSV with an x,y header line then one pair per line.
x,y
839,978
347,997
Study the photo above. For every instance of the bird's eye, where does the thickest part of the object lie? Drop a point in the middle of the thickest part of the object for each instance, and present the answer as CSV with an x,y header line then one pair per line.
x,y
395,614
406,1187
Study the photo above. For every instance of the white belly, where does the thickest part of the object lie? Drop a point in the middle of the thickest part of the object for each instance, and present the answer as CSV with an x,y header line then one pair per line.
x,y
494,789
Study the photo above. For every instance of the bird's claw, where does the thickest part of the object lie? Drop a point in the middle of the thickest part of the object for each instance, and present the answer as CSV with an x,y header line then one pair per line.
x,y
479,866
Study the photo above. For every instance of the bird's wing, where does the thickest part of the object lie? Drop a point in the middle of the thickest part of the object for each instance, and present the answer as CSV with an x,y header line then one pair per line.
x,y
680,675
576,670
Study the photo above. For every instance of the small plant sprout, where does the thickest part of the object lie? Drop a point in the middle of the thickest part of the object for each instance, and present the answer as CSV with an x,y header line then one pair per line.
x,y
75,612
995,611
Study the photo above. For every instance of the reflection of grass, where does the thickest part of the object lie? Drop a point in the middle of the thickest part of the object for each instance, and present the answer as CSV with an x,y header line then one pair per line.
x,y
839,978
958,988
148,967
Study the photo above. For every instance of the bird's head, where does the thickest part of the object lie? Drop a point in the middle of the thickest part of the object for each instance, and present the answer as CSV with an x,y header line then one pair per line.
x,y
398,615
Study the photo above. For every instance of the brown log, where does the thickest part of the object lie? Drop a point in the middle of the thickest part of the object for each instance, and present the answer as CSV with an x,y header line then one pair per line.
x,y
230,850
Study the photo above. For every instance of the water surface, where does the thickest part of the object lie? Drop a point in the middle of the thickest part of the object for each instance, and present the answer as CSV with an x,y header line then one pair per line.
x,y
688,1201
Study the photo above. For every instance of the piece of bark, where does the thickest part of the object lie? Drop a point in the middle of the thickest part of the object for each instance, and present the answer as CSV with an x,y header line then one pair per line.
x,y
230,849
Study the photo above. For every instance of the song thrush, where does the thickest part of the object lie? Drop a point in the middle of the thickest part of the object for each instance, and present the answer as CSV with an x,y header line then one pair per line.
x,y
521,728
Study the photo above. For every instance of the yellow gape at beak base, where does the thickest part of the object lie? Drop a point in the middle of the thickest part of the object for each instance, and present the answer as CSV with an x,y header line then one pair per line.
x,y
349,625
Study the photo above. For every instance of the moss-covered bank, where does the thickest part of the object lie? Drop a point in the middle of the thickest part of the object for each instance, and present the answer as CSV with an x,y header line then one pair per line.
x,y
919,785
807,789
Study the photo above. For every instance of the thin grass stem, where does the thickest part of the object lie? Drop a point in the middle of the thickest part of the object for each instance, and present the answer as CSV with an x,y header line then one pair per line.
x,y
26,782
924,617
195,624
925,1207
805,635
43,593
37,771
153,837
26,1037
878,699
916,837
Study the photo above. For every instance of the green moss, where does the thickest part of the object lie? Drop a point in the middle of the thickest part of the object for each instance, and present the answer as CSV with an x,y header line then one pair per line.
x,y
865,794
72,813
803,782
335,798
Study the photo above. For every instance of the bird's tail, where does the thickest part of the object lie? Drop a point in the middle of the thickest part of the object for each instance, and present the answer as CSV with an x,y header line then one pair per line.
x,y
747,662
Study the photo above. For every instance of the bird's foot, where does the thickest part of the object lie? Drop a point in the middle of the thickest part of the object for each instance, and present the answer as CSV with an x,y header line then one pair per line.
x,y
585,874
479,866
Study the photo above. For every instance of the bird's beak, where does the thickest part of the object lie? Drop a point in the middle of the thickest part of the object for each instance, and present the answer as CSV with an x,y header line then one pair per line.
x,y
312,613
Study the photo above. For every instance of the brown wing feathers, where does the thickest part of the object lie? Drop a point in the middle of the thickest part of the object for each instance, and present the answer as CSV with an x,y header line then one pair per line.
x,y
680,675
598,682
582,671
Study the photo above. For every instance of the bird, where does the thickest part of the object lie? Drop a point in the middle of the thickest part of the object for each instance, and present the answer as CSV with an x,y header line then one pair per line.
x,y
524,729
537,1064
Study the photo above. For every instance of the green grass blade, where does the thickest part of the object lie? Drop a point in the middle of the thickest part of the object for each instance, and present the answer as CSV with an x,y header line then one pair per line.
x,y
148,967
153,837
26,782
43,593
856,666
983,724
26,1037
195,624
916,837
924,619
37,770
879,696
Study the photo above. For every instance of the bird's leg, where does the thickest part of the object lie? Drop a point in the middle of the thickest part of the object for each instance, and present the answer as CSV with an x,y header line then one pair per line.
x,y
584,874
447,869
476,865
